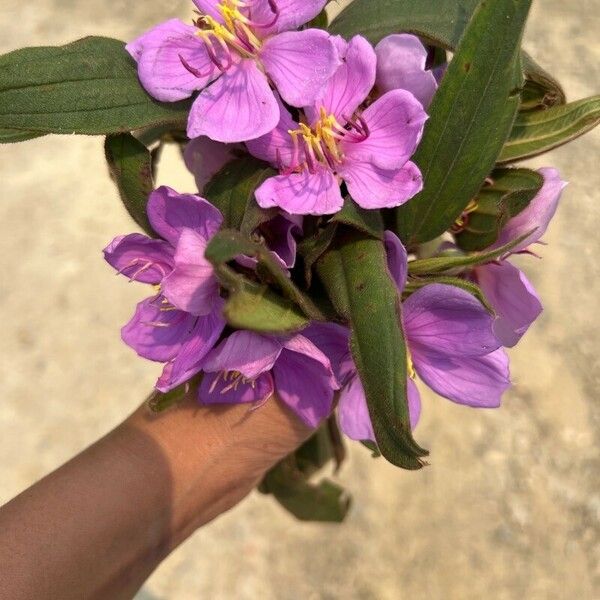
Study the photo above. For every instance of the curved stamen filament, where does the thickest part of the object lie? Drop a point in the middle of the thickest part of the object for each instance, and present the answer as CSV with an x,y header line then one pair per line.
x,y
320,144
235,379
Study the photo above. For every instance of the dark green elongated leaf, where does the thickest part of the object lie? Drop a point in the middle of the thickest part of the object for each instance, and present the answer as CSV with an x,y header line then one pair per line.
x,y
130,166
439,264
463,284
231,190
471,117
88,87
354,272
441,23
536,132
228,244
367,221
12,136
505,196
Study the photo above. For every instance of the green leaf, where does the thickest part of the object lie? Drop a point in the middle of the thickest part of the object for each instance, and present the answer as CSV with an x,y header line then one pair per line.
x,y
130,166
536,132
312,248
468,286
367,221
324,502
88,87
319,22
256,307
439,264
440,23
228,244
161,401
354,272
541,89
12,136
471,117
232,189
508,192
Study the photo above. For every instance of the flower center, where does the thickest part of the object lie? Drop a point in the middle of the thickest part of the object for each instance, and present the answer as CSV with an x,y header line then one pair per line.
x,y
321,143
235,35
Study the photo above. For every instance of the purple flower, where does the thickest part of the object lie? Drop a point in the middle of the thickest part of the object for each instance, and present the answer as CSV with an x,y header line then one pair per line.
x,y
451,346
231,53
249,367
205,158
183,321
369,150
401,60
506,287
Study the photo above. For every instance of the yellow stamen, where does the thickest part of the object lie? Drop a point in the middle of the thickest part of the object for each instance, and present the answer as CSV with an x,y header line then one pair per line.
x,y
410,367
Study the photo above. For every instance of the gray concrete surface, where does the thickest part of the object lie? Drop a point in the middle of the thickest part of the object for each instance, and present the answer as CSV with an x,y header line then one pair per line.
x,y
509,507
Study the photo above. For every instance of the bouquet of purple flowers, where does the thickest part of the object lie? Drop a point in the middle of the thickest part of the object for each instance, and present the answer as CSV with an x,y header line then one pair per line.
x,y
357,209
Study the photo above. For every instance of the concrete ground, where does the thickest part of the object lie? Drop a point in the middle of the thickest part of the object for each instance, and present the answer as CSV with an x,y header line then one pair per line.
x,y
508,508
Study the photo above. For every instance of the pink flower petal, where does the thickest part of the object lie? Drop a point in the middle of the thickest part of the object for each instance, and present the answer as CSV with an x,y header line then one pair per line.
x,y
140,258
395,124
300,63
204,158
372,187
239,106
277,146
302,193
170,213
350,85
210,8
246,352
203,334
401,62
512,296
192,285
160,68
443,319
292,14
397,260
477,381
537,215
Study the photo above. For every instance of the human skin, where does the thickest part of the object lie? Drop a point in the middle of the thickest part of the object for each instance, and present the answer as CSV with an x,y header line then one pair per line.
x,y
99,525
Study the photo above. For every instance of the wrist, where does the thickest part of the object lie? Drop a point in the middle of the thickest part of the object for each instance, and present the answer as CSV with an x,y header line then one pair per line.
x,y
215,455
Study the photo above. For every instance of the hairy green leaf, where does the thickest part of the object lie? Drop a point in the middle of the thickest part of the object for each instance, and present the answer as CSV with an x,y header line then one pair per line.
x,y
354,272
536,132
130,166
471,117
88,87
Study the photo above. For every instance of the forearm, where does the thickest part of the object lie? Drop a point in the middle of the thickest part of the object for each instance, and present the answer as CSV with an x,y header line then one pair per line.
x,y
99,525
